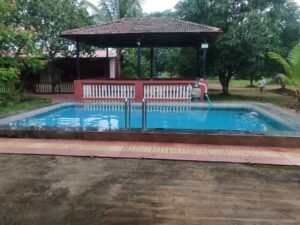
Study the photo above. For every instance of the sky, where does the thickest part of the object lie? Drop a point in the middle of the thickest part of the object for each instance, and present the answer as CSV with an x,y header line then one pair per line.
x,y
153,5
160,5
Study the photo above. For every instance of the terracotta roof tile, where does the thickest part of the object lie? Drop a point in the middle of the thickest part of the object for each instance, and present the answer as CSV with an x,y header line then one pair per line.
x,y
150,32
148,25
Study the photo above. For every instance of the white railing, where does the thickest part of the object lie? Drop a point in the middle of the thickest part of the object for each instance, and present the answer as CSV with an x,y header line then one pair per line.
x,y
3,90
176,92
108,91
59,88
43,88
65,88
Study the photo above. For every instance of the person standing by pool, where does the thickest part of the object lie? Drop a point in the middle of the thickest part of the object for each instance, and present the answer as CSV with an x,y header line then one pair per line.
x,y
262,84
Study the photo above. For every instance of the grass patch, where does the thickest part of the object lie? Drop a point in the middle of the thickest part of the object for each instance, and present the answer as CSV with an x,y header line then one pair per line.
x,y
27,103
234,83
241,83
248,94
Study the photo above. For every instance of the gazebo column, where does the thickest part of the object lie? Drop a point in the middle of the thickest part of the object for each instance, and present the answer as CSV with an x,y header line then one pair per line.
x,y
198,69
78,60
108,63
151,65
204,47
204,63
139,71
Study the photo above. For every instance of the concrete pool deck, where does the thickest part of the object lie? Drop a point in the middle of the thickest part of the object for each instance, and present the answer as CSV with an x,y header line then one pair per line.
x,y
146,150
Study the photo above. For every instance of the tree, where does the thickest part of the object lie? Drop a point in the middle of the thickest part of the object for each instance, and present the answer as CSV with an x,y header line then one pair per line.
x,y
111,10
18,52
251,28
291,67
48,19
130,69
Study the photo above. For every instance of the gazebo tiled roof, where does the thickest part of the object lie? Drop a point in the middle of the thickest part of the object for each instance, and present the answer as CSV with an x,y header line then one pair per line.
x,y
150,32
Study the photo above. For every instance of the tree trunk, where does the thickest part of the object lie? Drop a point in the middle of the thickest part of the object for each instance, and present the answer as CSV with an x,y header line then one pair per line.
x,y
224,78
251,81
225,89
23,81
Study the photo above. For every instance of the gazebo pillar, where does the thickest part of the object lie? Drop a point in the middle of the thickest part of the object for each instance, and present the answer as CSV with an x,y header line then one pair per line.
x,y
198,69
151,65
108,63
139,71
78,60
204,63
204,47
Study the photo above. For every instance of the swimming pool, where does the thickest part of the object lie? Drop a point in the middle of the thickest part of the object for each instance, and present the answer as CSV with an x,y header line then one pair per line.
x,y
169,117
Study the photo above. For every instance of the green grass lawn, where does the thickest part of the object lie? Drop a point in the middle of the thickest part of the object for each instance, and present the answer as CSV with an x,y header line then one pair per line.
x,y
240,83
25,104
235,83
240,91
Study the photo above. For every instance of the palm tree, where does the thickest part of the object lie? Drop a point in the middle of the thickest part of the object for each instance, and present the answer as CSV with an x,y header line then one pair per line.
x,y
291,67
111,10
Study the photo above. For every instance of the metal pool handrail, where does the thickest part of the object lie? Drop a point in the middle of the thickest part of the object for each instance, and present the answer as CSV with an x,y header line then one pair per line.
x,y
144,114
127,113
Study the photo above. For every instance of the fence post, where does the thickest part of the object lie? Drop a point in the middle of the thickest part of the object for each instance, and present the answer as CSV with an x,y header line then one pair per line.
x,y
139,90
78,90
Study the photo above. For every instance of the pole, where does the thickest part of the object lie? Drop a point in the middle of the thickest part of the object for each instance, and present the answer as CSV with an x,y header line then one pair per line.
x,y
139,60
151,56
78,60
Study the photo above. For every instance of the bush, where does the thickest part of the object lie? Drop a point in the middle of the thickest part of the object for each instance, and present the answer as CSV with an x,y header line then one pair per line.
x,y
282,80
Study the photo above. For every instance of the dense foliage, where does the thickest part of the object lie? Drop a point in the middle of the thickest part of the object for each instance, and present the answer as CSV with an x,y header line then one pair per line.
x,y
291,67
250,29
18,52
48,19
110,10
29,33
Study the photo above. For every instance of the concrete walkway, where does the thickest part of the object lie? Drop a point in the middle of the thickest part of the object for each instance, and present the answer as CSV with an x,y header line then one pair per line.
x,y
188,152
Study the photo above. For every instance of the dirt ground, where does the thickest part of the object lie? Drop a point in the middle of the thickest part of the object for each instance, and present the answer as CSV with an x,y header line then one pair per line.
x,y
36,190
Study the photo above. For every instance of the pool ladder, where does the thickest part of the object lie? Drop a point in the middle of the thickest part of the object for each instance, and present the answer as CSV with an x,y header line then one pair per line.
x,y
127,112
144,114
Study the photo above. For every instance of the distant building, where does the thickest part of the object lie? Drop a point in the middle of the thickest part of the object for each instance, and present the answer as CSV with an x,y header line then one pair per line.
x,y
62,71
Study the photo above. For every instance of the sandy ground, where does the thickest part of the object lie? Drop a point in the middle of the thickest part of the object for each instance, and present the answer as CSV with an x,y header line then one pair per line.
x,y
39,190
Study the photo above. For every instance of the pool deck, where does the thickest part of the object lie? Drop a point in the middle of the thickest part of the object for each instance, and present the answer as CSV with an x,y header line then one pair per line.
x,y
144,150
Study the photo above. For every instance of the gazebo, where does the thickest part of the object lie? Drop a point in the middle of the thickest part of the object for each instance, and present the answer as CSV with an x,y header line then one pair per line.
x,y
146,33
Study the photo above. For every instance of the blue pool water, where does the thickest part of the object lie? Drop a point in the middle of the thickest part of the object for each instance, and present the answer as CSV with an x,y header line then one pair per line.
x,y
101,118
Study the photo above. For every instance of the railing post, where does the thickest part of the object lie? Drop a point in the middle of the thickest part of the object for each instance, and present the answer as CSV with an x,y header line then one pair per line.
x,y
78,90
139,90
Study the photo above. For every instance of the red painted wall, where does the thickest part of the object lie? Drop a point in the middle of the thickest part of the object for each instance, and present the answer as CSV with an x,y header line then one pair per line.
x,y
139,86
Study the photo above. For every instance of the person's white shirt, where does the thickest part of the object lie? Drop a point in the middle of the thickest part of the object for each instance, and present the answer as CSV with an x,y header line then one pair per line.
x,y
262,82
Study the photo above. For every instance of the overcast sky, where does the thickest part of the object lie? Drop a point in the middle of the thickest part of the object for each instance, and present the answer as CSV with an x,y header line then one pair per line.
x,y
159,5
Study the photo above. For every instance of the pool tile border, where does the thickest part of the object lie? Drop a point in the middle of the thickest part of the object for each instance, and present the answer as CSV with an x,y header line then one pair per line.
x,y
160,151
